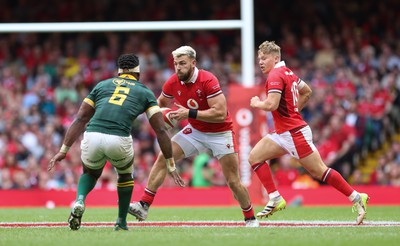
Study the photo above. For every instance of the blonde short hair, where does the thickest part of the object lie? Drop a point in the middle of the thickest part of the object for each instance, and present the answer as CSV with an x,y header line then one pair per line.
x,y
184,51
269,47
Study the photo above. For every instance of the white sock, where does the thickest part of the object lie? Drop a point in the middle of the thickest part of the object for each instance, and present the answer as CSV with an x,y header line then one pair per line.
x,y
354,197
274,195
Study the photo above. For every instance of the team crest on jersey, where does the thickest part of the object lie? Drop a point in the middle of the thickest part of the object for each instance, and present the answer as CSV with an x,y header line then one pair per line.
x,y
118,81
187,131
200,94
179,93
228,146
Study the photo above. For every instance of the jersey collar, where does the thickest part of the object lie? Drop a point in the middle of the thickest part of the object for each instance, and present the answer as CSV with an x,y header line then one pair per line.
x,y
127,76
280,64
194,77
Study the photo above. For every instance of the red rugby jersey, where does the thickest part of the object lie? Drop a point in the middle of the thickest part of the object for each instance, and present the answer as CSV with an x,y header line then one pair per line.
x,y
282,80
195,95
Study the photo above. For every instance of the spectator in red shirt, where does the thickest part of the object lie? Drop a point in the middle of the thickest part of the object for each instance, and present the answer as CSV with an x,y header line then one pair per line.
x,y
343,86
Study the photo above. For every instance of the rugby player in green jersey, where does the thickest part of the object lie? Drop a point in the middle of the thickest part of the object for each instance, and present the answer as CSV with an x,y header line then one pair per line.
x,y
107,113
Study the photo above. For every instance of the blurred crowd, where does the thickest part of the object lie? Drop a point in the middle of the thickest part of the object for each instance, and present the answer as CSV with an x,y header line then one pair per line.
x,y
349,52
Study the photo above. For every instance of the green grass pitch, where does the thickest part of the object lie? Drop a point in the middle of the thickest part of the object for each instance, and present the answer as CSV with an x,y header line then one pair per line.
x,y
386,233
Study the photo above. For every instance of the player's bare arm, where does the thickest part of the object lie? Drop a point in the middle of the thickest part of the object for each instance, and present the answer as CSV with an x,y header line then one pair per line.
x,y
304,95
77,127
215,114
158,125
164,140
269,104
164,101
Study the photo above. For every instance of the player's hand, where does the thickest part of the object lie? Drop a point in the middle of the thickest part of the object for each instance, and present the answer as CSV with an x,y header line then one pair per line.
x,y
181,113
58,157
177,179
254,101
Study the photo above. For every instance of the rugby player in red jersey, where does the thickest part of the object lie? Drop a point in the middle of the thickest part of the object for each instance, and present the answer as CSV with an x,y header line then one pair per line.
x,y
199,98
287,94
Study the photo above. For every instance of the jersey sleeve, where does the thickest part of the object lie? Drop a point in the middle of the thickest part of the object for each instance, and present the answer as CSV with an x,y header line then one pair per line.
x,y
212,87
91,97
301,83
167,89
275,83
152,105
151,99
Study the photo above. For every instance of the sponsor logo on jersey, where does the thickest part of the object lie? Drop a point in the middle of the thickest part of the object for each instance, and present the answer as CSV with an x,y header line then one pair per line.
x,y
215,87
120,82
288,73
191,103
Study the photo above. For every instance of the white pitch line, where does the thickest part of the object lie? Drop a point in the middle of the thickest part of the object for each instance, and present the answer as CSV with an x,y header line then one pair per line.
x,y
206,224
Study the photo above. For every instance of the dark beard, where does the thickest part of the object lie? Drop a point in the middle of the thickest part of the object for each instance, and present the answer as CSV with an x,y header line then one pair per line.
x,y
184,77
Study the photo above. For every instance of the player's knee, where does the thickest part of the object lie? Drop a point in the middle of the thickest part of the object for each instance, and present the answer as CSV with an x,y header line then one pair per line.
x,y
95,173
316,174
125,170
252,159
124,177
233,184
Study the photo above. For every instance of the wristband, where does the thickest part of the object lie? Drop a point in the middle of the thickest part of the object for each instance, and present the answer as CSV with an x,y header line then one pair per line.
x,y
193,113
171,165
64,149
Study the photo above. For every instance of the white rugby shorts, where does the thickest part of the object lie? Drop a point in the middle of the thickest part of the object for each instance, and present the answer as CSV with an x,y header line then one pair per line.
x,y
194,142
298,143
98,147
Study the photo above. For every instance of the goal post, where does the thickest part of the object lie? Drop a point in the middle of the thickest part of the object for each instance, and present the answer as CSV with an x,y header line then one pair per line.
x,y
245,25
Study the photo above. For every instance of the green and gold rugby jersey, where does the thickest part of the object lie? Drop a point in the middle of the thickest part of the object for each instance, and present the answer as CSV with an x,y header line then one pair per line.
x,y
118,102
